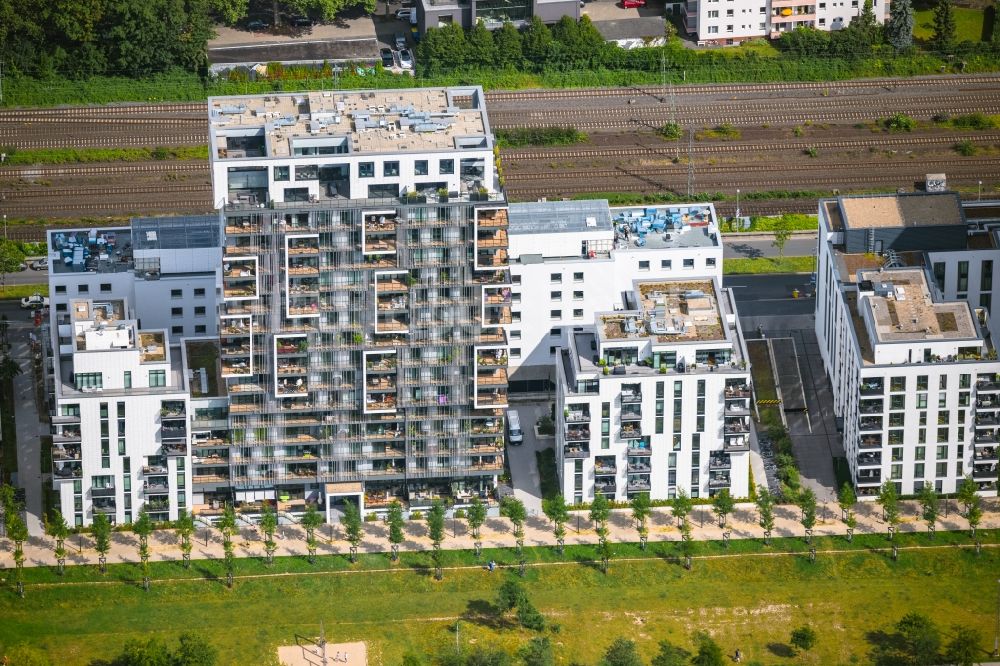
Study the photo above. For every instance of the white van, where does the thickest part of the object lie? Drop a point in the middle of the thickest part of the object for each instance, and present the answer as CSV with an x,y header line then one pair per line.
x,y
514,428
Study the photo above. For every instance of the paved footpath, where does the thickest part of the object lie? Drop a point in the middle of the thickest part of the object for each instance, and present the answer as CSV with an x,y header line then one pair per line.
x,y
496,533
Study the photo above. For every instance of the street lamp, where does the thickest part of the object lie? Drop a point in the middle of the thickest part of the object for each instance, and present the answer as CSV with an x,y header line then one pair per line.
x,y
979,198
737,202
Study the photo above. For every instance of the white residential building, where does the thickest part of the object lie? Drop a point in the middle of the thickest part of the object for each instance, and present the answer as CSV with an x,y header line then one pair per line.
x,y
572,259
125,304
914,373
730,22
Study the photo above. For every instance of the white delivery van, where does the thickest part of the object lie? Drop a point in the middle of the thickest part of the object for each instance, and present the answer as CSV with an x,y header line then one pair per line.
x,y
514,428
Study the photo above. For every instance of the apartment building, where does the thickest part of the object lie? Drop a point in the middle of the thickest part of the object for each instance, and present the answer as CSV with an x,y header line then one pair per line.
x,y
572,259
493,13
362,316
730,22
914,371
652,383
127,304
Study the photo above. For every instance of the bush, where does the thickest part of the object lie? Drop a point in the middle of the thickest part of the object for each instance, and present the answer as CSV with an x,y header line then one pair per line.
x,y
546,425
811,152
529,617
539,136
899,122
671,131
966,148
974,121
416,515
803,638
460,514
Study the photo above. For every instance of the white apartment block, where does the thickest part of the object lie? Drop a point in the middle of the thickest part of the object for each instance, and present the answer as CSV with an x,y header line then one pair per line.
x,y
125,304
572,259
914,372
729,22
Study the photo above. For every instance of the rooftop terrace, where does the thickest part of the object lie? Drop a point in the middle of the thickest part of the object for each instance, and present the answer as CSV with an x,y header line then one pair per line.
x,y
692,225
353,122
669,311
97,250
202,358
899,304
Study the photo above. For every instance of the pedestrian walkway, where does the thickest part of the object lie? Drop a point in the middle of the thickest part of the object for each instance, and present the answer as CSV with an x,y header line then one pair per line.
x,y
496,533
29,427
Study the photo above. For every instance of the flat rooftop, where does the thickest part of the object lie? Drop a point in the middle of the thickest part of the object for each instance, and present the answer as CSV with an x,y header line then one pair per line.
x,y
93,250
657,227
850,263
669,311
203,370
917,209
902,309
326,123
179,232
552,217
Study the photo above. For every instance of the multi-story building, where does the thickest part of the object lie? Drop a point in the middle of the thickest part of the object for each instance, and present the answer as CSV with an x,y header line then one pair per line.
x,y
493,13
363,296
128,306
734,21
572,259
914,372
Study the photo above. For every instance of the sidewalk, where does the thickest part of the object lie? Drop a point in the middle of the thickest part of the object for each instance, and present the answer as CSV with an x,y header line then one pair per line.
x,y
29,427
496,533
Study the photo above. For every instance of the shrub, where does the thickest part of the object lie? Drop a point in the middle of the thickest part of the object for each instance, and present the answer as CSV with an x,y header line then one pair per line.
x,y
966,148
973,121
546,426
416,515
539,136
671,131
529,617
899,122
811,151
803,638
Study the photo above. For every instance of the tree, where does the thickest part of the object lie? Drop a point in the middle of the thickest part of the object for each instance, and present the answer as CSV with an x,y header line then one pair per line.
x,y
529,617
807,503
7,503
311,520
865,26
641,508
11,257
142,528
965,646
765,507
621,652
803,638
513,509
600,512
929,505
682,506
17,532
537,652
510,595
226,524
395,520
889,501
899,27
101,529
709,653
185,528
921,638
193,650
671,655
508,46
58,530
846,499
268,525
723,505
482,51
435,524
943,37
351,521
555,510
476,516
968,495
536,43
782,232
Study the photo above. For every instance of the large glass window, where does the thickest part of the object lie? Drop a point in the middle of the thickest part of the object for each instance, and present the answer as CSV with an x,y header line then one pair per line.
x,y
446,167
498,11
280,173
88,380
366,169
420,168
963,276
157,378
986,279
306,172
390,169
939,274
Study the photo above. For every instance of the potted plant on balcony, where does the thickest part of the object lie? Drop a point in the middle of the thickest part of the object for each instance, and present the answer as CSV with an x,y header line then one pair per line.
x,y
443,195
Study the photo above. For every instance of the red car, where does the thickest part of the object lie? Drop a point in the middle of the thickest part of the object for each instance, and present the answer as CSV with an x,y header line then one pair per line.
x,y
632,4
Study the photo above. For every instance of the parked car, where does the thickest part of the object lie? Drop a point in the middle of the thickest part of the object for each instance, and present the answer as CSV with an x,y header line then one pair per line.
x,y
34,302
39,264
408,14
257,25
302,22
400,40
387,59
633,4
405,59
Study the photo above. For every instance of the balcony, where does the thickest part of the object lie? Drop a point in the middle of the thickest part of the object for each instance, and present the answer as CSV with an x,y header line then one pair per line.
x,y
576,451
630,431
494,398
988,402
631,396
67,470
737,392
719,480
984,472
737,406
870,459
606,487
870,442
175,448
491,376
497,315
735,442
492,358
379,245
639,449
871,423
737,426
719,462
869,477
638,484
639,466
582,416
106,491
105,505
70,452
984,454
154,470
155,488
577,434
871,407
872,388
632,412
987,420
605,469
988,386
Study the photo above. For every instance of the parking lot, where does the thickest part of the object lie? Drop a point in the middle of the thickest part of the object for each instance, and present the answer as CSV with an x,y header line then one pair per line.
x,y
521,459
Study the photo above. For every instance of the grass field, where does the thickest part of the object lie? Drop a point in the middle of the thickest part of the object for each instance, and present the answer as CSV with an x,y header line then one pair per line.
x,y
19,291
793,221
968,23
769,265
547,473
746,602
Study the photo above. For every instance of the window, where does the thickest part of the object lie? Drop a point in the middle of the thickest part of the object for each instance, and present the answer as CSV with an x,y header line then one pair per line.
x,y
515,316
713,14
280,173
199,293
919,453
922,383
60,307
83,289
963,276
390,169
555,278
710,262
822,21
729,12
420,168
689,263
176,312
515,297
366,169
941,469
199,311
985,301
200,329
515,335
515,352
61,289
552,350
176,293
88,380
986,276
643,265
157,378
577,277
105,287
942,434
516,279
939,273
577,295
666,264
942,452
729,28
307,172
918,473
921,401
555,295
128,379
446,166
555,314
897,384
177,330
555,331
578,314
713,29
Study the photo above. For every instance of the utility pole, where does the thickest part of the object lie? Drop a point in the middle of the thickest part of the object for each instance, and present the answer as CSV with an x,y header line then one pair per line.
x,y
690,188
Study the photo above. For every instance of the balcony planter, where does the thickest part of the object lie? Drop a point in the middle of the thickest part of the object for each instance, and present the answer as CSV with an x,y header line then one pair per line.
x,y
606,370
443,195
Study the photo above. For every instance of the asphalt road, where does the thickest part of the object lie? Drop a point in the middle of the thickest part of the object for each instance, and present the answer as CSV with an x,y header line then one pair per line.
x,y
770,295
738,248
26,277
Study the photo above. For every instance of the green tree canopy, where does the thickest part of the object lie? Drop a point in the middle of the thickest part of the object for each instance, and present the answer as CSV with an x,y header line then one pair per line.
x,y
671,655
621,652
508,46
899,27
435,523
709,653
943,23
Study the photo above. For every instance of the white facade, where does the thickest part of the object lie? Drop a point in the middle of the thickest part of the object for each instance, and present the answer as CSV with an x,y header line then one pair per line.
x,y
728,22
571,260
319,146
913,372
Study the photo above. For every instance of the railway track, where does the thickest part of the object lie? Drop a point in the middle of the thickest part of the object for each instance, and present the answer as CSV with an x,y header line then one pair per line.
x,y
15,195
104,170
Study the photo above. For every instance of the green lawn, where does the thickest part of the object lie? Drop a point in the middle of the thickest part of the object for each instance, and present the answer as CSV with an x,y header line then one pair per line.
x,y
769,265
968,24
19,291
747,602
548,477
793,221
